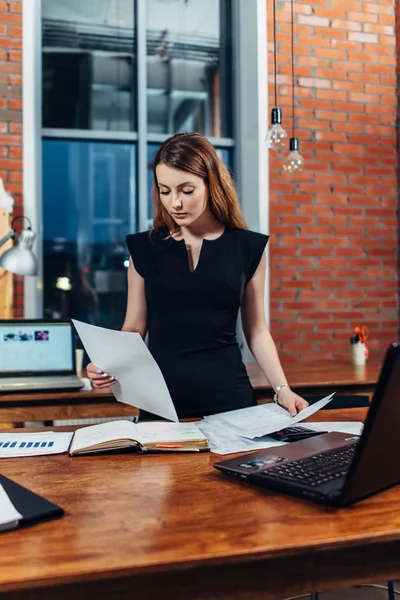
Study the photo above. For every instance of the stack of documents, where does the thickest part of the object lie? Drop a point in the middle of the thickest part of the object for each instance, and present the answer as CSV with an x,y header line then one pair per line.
x,y
223,440
249,428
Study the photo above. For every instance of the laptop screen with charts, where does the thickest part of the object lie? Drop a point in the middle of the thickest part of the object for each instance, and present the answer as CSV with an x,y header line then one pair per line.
x,y
35,354
336,468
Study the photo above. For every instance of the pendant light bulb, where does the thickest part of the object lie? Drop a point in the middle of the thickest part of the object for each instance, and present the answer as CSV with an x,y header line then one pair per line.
x,y
294,162
276,135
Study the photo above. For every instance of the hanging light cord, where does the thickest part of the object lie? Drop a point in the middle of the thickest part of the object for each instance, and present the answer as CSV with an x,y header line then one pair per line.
x,y
292,30
274,19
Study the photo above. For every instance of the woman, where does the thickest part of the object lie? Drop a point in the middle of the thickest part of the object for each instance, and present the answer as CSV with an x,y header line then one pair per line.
x,y
187,280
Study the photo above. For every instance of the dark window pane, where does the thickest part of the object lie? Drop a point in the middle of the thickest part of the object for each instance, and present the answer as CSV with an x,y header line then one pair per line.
x,y
189,67
225,154
88,208
89,64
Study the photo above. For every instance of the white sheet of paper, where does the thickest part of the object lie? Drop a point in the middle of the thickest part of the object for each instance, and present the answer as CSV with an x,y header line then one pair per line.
x,y
258,421
223,440
13,445
124,354
8,513
353,427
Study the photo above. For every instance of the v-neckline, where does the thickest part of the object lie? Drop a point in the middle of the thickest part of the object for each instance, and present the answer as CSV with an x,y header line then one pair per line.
x,y
204,241
191,271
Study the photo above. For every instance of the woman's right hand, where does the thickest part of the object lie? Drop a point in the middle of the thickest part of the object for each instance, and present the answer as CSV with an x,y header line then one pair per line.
x,y
98,378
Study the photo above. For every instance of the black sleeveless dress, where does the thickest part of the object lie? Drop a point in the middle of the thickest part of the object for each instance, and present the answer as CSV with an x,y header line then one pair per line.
x,y
192,315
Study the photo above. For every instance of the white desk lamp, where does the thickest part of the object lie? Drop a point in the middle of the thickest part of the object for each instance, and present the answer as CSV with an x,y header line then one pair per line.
x,y
19,259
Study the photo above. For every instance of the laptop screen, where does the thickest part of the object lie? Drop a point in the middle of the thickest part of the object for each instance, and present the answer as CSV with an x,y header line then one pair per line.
x,y
35,347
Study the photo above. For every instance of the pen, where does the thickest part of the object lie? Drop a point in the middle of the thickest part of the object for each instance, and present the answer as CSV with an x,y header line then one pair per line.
x,y
362,333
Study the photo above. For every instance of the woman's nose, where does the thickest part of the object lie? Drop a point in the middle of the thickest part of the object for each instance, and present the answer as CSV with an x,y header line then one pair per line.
x,y
176,201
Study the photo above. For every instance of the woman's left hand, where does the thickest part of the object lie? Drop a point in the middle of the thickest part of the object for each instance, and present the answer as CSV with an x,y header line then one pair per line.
x,y
291,401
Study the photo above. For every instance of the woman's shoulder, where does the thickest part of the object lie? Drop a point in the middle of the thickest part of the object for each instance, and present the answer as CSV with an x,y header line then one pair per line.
x,y
145,238
137,236
252,245
141,248
251,238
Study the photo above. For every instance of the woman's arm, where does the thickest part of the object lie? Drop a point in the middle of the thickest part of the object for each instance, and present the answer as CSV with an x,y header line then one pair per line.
x,y
135,320
136,310
260,340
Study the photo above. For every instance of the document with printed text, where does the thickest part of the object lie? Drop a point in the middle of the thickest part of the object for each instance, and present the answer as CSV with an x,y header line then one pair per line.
x,y
223,440
34,444
258,421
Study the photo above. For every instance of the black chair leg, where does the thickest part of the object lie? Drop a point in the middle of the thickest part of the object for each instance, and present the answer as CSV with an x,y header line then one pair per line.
x,y
390,590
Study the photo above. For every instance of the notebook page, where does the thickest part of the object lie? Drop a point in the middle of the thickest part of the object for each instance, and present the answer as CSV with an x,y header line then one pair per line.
x,y
8,513
160,432
103,432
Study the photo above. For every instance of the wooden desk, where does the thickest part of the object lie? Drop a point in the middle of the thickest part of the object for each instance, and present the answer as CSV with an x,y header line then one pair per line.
x,y
305,378
323,377
49,406
172,527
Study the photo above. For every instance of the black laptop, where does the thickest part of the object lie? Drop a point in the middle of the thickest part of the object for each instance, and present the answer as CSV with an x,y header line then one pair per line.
x,y
336,468
36,355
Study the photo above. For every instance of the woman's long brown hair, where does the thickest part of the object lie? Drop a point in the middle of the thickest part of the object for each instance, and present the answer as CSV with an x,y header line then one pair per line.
x,y
193,153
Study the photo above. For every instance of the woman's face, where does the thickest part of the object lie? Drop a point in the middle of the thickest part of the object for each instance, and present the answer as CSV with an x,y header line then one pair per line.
x,y
183,195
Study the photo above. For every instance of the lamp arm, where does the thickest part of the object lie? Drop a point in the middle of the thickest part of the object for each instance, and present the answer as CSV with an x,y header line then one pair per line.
x,y
21,218
9,236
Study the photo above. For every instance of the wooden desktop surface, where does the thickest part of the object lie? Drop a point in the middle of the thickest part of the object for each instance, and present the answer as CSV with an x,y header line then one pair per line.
x,y
317,377
172,527
306,378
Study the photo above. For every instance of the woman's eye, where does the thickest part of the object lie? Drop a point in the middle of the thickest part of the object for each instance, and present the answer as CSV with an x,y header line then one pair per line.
x,y
187,192
164,193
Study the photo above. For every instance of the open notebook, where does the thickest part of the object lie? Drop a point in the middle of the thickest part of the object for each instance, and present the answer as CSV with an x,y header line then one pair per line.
x,y
152,436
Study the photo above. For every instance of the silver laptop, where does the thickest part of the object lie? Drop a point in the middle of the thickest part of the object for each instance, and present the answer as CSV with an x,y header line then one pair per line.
x,y
37,355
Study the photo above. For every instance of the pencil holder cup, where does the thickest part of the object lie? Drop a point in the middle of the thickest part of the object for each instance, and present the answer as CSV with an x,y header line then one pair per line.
x,y
357,353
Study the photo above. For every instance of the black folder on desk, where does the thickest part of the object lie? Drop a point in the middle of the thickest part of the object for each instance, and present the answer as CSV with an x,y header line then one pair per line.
x,y
32,507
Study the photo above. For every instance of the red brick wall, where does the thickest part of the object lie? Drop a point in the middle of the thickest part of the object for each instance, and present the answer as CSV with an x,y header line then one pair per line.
x,y
397,14
11,114
334,228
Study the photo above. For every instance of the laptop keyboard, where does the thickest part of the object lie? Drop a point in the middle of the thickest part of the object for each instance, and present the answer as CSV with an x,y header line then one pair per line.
x,y
317,469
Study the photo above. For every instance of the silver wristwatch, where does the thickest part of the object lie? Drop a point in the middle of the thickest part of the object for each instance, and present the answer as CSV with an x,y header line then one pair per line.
x,y
277,389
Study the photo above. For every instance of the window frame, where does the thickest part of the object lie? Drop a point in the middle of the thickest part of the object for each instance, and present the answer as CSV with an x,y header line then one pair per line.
x,y
249,126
